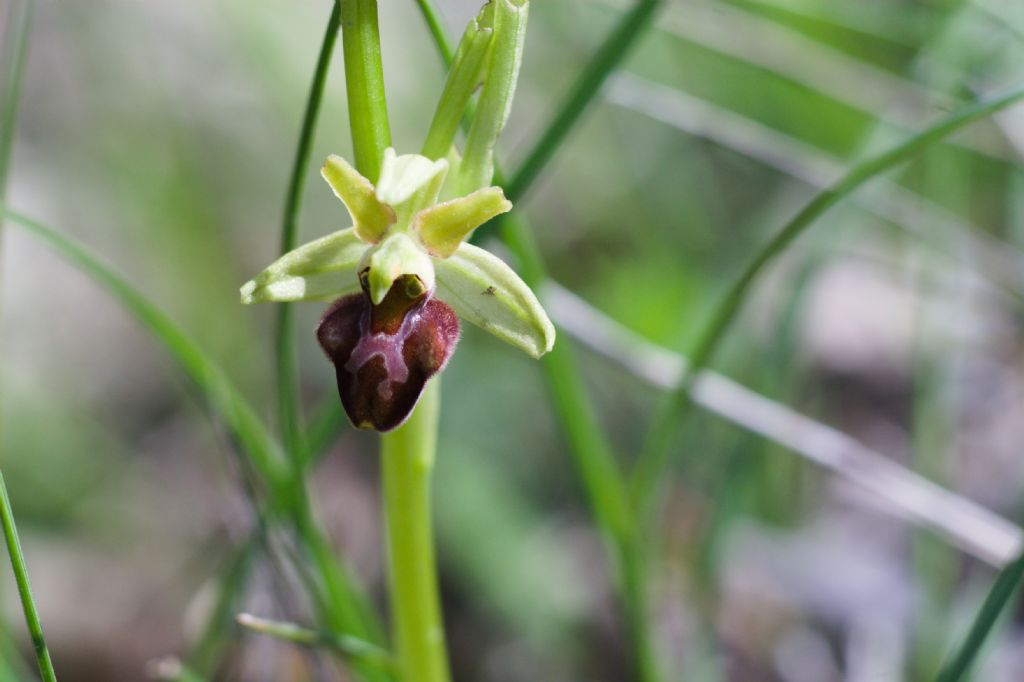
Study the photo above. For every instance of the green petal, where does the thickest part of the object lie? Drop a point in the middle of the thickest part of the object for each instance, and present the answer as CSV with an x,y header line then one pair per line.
x,y
442,227
482,289
322,269
409,182
370,216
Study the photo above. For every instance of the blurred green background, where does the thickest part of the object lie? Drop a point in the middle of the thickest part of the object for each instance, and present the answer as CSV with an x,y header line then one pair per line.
x,y
161,134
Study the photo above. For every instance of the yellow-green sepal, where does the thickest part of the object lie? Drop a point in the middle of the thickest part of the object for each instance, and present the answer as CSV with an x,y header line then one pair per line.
x,y
482,289
323,269
444,226
371,217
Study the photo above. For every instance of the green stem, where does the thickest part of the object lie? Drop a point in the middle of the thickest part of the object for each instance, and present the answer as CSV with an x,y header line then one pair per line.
x,y
287,360
592,454
364,82
408,457
35,628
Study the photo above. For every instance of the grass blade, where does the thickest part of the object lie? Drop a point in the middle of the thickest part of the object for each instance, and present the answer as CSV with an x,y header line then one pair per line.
x,y
352,647
586,87
284,327
593,457
348,608
999,597
28,604
655,455
19,22
902,492
245,426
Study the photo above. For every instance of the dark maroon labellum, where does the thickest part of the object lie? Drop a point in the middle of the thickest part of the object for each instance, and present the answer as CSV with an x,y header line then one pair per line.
x,y
383,354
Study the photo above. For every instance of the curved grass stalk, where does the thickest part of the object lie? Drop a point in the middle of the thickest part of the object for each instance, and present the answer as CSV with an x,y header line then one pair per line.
x,y
654,457
347,608
28,604
284,328
593,457
607,58
999,597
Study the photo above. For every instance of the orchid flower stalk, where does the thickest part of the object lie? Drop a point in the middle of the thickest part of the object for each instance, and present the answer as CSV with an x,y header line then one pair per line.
x,y
402,276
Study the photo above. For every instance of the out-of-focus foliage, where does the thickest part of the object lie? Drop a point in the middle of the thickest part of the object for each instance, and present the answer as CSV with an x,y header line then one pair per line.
x,y
161,135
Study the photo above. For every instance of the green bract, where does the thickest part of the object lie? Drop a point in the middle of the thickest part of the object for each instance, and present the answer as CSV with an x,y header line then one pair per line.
x,y
400,228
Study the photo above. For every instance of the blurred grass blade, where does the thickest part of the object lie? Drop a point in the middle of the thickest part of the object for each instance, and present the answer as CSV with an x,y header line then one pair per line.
x,y
347,608
901,492
433,21
351,647
242,422
15,47
284,328
919,216
28,604
208,649
999,597
654,457
592,454
587,85
728,30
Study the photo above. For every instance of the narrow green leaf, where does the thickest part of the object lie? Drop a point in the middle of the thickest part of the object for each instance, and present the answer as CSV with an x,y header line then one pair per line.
x,y
654,457
28,603
587,85
999,597
240,418
286,359
345,605
592,454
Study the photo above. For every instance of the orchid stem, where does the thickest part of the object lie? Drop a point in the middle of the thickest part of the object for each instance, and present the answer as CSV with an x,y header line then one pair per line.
x,y
408,458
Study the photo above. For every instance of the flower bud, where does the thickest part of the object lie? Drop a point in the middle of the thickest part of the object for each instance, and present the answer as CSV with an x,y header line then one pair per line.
x,y
384,354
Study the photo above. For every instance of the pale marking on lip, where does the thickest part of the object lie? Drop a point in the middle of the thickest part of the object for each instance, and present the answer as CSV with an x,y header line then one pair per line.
x,y
388,347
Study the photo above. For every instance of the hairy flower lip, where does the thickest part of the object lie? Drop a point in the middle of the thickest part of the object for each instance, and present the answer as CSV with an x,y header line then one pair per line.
x,y
384,354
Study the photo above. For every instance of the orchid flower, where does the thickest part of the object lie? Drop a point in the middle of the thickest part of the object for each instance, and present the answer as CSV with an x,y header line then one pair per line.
x,y
401,276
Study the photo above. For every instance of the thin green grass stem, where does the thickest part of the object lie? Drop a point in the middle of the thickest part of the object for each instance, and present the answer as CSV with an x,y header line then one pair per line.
x,y
587,85
262,452
15,48
654,457
349,647
28,604
593,457
289,410
433,21
999,597
408,455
